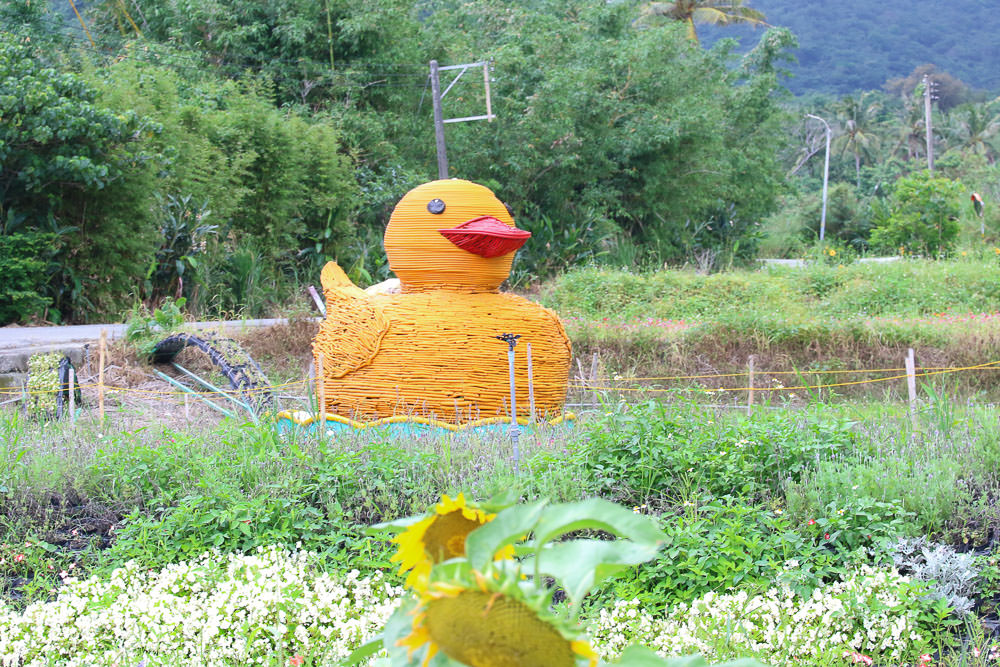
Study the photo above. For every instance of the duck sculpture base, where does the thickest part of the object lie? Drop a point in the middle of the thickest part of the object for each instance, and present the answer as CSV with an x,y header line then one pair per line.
x,y
288,420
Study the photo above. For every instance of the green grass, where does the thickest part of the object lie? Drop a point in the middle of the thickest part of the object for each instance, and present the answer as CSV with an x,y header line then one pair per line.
x,y
903,289
820,317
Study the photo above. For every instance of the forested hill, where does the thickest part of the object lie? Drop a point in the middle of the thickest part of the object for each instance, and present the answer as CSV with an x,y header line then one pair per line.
x,y
858,44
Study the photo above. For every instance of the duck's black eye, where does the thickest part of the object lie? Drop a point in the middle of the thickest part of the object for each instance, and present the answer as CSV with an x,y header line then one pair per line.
x,y
435,206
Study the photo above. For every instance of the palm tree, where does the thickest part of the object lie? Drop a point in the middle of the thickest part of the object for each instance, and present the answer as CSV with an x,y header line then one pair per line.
x,y
973,127
909,124
859,136
715,12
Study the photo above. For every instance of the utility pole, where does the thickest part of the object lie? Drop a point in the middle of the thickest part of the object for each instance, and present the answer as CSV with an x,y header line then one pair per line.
x,y
437,95
928,86
826,175
438,121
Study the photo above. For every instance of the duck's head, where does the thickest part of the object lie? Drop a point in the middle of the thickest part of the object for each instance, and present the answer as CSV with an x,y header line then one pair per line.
x,y
452,233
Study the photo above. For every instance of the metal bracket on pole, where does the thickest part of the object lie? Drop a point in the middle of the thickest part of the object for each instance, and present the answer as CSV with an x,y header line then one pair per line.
x,y
437,96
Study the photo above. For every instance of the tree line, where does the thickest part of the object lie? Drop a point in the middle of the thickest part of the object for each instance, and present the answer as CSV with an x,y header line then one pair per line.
x,y
880,141
222,152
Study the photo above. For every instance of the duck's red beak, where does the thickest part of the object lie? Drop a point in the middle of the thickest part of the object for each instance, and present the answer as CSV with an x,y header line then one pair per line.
x,y
486,237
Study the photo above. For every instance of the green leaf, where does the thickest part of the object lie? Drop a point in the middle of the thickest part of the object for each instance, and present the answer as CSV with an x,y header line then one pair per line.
x,y
362,652
640,656
501,500
397,526
399,625
597,514
579,565
509,526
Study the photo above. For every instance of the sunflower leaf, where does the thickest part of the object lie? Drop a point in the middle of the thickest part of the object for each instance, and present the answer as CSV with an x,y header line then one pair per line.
x,y
640,656
399,625
502,500
579,565
596,514
362,652
508,527
397,526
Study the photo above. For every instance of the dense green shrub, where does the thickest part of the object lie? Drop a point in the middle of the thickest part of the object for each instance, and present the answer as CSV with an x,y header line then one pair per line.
x,y
271,178
846,218
233,523
924,216
637,129
308,49
928,483
24,266
79,172
727,544
654,454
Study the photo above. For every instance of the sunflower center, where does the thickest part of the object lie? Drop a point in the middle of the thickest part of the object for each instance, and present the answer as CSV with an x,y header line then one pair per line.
x,y
493,630
445,537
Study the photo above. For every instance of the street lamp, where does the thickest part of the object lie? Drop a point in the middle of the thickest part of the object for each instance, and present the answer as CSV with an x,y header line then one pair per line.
x,y
826,176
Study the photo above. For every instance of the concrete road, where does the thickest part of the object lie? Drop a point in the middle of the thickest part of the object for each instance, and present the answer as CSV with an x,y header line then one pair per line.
x,y
19,343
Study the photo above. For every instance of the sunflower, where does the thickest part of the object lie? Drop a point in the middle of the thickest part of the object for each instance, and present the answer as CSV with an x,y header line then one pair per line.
x,y
481,627
439,537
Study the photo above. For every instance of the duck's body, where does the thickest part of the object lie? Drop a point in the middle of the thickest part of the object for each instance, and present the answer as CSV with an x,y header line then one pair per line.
x,y
439,357
431,350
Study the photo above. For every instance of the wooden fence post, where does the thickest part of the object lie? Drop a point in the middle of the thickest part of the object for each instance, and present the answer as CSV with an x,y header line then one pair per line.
x,y
911,385
750,363
593,378
100,374
72,395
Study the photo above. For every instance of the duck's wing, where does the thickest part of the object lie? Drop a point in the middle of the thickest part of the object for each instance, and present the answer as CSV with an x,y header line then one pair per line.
x,y
352,333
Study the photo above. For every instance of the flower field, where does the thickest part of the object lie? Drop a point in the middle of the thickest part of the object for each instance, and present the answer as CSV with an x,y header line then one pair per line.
x,y
264,607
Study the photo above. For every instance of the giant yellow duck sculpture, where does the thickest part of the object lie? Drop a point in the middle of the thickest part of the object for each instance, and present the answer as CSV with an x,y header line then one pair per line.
x,y
430,351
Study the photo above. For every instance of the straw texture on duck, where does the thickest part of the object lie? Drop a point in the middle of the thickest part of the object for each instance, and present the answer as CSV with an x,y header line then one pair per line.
x,y
431,350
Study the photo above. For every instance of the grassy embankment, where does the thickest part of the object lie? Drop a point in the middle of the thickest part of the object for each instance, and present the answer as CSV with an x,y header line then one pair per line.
x,y
814,318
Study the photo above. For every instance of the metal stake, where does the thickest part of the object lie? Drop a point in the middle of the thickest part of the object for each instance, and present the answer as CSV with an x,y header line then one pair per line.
x,y
515,431
531,384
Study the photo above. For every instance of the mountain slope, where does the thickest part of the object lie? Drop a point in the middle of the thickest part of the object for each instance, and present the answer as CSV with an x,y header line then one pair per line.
x,y
859,44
